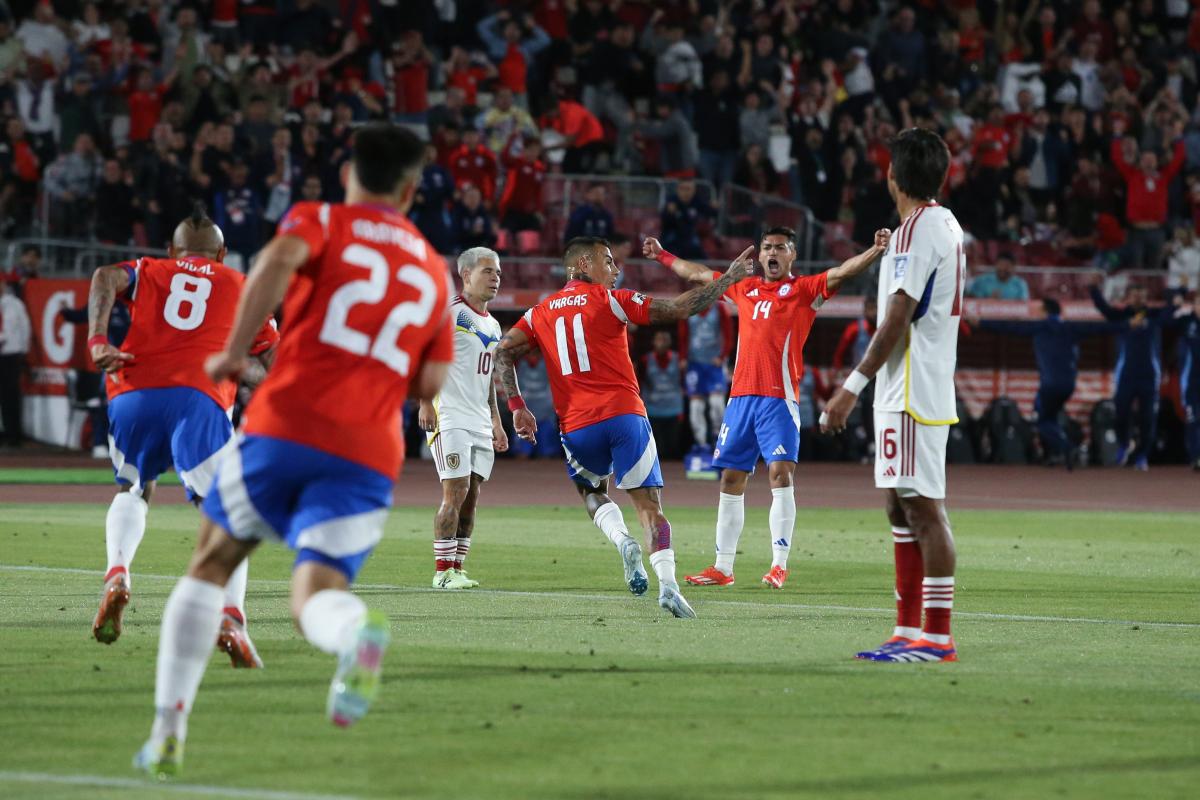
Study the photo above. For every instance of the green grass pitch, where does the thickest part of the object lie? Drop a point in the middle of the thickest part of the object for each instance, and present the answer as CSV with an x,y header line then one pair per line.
x,y
1079,636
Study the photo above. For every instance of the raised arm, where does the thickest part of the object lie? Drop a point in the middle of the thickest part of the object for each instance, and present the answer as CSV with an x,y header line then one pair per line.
x,y
696,300
1108,312
107,283
688,270
514,346
855,266
899,315
261,295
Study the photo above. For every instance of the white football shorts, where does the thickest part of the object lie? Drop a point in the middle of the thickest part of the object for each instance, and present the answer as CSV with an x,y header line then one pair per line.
x,y
458,453
910,457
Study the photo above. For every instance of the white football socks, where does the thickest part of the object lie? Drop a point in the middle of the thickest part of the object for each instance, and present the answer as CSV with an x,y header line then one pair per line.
x,y
698,420
731,516
663,562
191,620
235,589
330,618
124,527
611,522
783,521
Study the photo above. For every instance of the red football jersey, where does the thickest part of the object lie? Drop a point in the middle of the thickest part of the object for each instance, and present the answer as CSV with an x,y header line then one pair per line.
x,y
181,312
581,332
361,317
774,320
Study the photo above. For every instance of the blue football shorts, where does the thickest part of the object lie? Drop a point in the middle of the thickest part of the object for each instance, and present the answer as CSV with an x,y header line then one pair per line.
x,y
622,446
757,426
324,507
151,430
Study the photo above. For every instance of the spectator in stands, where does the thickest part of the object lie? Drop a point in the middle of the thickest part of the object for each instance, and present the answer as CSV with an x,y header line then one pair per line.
x,y
79,112
1045,152
116,204
717,131
614,74
755,171
473,164
1003,283
466,70
756,118
579,134
662,392
71,183
535,391
29,267
237,210
1183,261
430,210
678,67
308,26
852,345
1146,187
15,335
683,216
504,121
512,43
472,223
42,38
453,113
677,151
590,218
521,204
899,56
163,184
1138,369
816,176
409,69
36,105
20,169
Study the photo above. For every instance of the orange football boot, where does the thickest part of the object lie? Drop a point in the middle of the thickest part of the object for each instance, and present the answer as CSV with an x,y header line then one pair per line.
x,y
106,627
776,577
235,642
710,577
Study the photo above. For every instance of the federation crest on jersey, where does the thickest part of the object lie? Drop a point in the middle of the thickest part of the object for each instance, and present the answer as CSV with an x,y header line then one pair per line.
x,y
639,298
899,266
452,461
785,289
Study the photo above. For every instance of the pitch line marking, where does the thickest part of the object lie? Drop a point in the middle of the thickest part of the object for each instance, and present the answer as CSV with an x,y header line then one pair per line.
x,y
578,596
160,787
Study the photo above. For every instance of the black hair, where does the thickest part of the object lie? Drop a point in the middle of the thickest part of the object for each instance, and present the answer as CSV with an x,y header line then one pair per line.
x,y
385,155
1052,306
32,248
199,216
1005,255
920,160
780,230
580,245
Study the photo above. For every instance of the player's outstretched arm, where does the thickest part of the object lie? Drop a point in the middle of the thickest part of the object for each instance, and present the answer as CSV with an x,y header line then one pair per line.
x,y
859,263
261,295
899,315
513,346
688,270
696,300
107,283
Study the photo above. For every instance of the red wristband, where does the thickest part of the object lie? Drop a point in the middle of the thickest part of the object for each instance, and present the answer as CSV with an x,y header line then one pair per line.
x,y
665,258
95,340
515,403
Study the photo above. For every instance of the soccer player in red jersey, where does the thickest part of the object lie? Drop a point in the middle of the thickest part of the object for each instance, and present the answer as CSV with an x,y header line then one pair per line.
x,y
581,332
775,313
366,321
163,409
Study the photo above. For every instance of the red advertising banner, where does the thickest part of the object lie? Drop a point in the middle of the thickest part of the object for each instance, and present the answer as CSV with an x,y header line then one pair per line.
x,y
56,342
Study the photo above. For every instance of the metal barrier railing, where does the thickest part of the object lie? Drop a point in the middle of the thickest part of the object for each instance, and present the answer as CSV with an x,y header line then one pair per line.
x,y
76,257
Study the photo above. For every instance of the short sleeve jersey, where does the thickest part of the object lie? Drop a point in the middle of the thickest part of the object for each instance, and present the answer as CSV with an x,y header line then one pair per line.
x,y
360,319
181,311
463,403
774,319
581,332
925,261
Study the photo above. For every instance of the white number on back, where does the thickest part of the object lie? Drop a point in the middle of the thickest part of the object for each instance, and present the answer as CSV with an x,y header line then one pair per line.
x,y
189,290
564,353
336,332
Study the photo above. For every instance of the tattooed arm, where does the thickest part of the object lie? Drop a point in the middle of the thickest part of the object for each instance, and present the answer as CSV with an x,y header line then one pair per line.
x,y
696,300
513,346
107,283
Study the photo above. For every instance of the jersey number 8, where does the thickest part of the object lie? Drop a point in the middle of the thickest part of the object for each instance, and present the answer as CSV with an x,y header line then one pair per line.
x,y
189,290
336,332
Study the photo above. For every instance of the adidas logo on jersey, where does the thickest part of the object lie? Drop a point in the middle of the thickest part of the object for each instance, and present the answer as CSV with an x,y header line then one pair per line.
x,y
752,293
890,472
779,451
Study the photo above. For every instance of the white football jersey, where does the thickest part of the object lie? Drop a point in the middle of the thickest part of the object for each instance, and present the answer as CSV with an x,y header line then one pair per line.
x,y
463,402
924,260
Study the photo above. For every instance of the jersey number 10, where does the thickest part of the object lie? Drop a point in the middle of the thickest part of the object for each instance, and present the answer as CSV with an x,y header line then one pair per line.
x,y
337,332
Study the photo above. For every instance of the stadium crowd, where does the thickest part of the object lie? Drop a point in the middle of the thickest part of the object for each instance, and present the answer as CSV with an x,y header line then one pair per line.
x,y
1072,125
